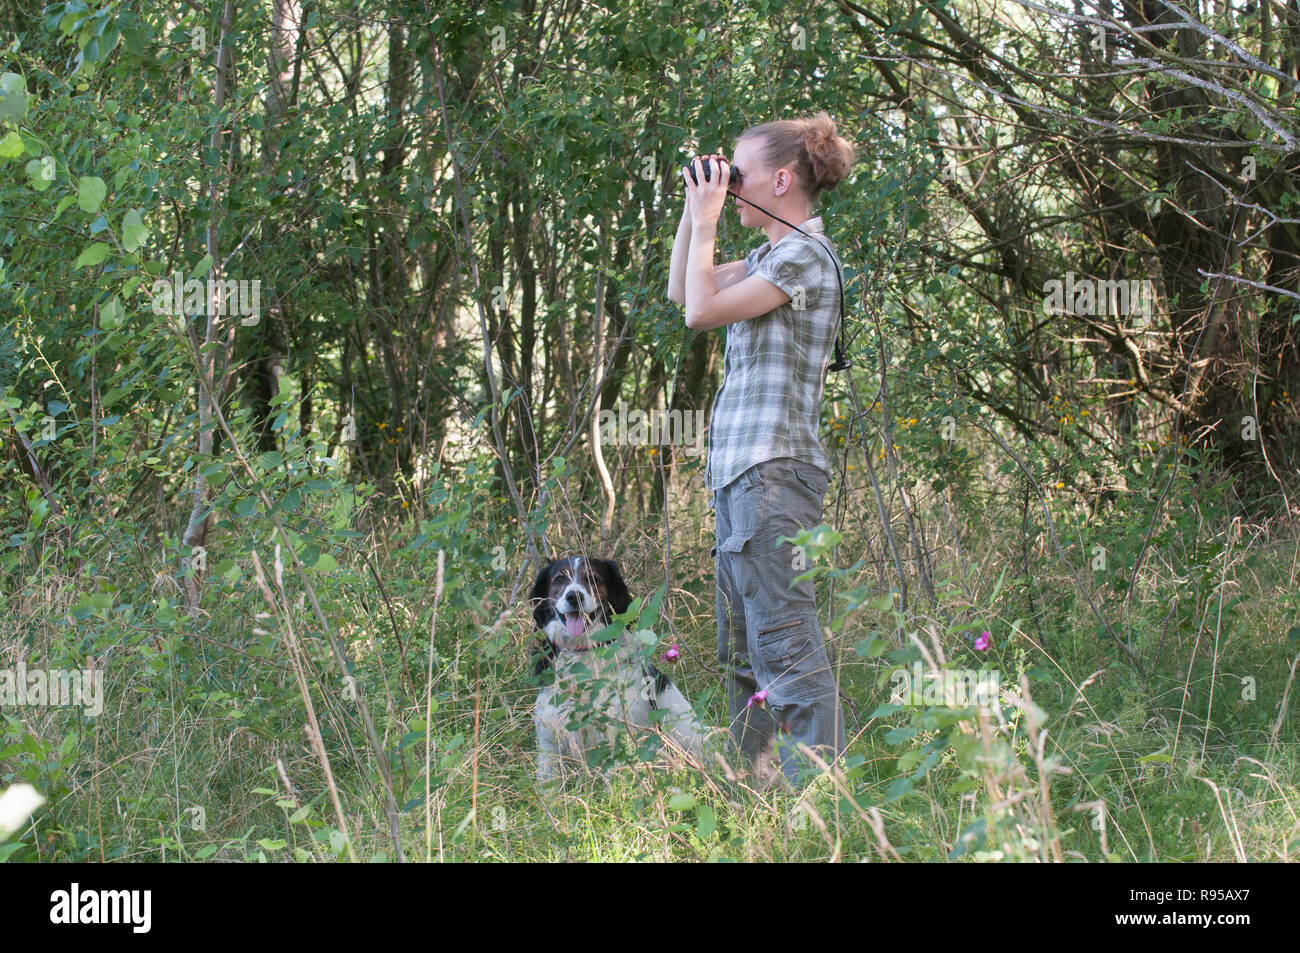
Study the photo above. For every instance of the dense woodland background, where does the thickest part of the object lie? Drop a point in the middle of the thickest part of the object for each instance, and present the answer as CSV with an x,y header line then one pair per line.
x,y
298,543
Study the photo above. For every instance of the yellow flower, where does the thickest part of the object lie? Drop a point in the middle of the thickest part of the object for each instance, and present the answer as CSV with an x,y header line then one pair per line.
x,y
382,426
1060,486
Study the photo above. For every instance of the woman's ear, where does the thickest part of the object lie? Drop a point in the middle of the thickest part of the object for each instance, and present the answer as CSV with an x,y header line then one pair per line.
x,y
538,596
619,599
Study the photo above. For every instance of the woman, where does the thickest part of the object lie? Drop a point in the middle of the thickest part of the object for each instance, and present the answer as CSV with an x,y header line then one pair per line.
x,y
767,469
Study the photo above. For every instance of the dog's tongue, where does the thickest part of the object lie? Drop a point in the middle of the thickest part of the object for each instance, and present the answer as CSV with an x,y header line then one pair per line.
x,y
574,623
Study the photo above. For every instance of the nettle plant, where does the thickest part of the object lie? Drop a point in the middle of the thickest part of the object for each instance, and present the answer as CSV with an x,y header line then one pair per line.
x,y
961,731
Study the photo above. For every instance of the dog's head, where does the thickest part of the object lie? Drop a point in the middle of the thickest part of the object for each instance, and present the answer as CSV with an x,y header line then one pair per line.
x,y
575,598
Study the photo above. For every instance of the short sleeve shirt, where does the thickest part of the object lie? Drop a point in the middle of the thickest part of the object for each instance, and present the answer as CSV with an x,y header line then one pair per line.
x,y
769,405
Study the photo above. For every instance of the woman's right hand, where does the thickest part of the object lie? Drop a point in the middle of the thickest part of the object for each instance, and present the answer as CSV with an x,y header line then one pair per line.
x,y
686,174
710,185
686,207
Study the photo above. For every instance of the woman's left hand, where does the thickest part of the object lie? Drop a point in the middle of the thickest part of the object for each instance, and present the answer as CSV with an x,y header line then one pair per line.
x,y
708,197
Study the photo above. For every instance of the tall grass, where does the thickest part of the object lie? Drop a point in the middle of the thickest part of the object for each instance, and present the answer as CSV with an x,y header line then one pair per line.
x,y
1182,750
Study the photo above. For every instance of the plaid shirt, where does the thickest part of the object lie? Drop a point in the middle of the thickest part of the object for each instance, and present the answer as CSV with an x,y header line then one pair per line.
x,y
769,405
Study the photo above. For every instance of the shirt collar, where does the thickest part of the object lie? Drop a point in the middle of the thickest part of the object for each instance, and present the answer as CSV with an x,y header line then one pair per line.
x,y
812,226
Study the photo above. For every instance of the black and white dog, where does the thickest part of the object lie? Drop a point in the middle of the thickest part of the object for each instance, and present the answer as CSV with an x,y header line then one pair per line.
x,y
574,599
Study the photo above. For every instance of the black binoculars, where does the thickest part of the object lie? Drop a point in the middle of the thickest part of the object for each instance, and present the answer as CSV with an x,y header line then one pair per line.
x,y
733,177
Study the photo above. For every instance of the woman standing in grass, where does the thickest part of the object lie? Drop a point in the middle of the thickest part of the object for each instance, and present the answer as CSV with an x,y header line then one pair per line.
x,y
767,469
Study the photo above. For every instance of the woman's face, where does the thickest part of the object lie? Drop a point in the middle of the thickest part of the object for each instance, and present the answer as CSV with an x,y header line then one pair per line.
x,y
756,184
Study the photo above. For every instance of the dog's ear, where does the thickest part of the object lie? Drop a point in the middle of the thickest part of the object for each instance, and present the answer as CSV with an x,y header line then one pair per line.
x,y
541,589
619,599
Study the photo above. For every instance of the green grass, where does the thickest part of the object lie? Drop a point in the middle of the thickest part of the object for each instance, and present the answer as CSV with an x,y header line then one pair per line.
x,y
201,751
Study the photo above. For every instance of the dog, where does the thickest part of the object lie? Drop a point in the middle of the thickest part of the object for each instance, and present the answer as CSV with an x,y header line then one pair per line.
x,y
574,599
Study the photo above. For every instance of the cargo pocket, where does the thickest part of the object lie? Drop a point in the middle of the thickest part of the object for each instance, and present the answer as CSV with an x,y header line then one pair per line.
x,y
812,478
742,570
792,650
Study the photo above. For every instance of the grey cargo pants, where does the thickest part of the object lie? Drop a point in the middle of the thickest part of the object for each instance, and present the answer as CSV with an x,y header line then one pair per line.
x,y
768,635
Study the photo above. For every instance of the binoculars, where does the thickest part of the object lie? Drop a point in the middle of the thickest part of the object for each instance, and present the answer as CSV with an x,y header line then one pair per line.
x,y
733,177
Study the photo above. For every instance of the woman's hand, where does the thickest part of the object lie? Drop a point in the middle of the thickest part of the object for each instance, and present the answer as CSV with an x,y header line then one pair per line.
x,y
706,199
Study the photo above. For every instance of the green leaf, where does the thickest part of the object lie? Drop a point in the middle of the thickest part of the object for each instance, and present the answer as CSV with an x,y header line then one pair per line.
x,y
998,588
899,788
707,821
900,734
326,563
112,314
681,802
36,171
650,610
11,146
92,254
90,193
909,759
134,231
1294,634
967,748
871,648
13,98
